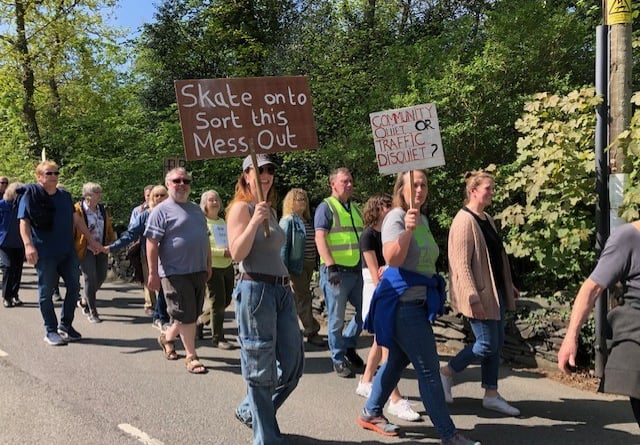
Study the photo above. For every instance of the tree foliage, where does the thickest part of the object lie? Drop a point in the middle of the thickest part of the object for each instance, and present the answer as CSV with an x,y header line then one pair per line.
x,y
550,188
479,61
630,142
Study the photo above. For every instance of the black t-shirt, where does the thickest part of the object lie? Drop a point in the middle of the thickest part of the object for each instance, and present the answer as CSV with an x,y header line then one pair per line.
x,y
371,239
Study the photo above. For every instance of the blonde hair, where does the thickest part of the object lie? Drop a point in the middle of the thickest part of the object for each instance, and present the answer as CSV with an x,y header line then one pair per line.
x,y
398,190
290,198
472,180
44,166
10,191
152,196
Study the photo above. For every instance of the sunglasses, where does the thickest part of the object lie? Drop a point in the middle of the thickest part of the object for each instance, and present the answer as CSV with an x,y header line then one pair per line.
x,y
160,196
184,181
270,169
4,182
52,173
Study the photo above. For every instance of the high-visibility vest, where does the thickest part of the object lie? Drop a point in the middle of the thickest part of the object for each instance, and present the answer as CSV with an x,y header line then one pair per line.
x,y
345,233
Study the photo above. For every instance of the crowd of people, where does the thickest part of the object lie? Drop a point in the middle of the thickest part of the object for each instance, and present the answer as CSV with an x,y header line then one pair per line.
x,y
381,261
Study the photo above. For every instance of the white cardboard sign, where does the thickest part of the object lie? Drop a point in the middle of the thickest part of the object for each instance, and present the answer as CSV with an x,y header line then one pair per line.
x,y
407,139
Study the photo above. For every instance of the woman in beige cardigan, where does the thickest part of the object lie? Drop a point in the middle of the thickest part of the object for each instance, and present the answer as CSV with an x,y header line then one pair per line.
x,y
481,289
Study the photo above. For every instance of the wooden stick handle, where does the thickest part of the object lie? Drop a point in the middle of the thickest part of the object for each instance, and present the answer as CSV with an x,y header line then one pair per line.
x,y
413,190
256,175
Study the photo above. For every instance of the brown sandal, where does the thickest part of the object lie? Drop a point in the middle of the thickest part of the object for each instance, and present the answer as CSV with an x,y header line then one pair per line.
x,y
168,347
194,366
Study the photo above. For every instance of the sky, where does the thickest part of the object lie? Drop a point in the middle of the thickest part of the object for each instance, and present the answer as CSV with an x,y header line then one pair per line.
x,y
132,14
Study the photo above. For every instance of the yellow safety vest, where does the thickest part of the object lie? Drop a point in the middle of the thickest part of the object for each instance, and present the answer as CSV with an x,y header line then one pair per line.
x,y
345,233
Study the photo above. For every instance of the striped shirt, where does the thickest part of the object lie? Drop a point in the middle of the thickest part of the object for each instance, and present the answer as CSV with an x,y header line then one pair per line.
x,y
310,252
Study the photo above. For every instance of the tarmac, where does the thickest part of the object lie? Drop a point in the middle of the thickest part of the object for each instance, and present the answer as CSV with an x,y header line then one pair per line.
x,y
114,386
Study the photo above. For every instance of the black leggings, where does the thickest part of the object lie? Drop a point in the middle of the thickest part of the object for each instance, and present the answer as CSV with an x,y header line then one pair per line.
x,y
635,405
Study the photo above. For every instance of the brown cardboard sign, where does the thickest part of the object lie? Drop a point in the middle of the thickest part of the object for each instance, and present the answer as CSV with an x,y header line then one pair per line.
x,y
223,117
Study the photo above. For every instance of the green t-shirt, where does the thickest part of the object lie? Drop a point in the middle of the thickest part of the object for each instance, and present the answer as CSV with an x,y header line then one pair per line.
x,y
423,251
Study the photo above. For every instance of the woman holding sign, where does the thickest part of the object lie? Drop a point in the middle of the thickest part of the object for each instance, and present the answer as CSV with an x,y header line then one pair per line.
x,y
220,285
272,353
409,296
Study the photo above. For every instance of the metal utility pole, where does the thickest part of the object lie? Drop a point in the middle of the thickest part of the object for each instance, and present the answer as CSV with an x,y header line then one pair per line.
x,y
614,51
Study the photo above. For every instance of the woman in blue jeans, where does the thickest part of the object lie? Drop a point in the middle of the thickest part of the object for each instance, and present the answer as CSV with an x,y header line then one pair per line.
x,y
409,296
481,290
271,348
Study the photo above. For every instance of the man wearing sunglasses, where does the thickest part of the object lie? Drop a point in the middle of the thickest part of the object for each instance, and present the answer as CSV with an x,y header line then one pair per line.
x,y
47,224
179,257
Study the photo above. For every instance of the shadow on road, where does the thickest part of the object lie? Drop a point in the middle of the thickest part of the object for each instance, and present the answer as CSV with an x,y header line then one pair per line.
x,y
294,439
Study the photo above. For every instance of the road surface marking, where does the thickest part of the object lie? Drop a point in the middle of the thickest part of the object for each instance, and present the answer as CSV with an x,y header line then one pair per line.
x,y
140,435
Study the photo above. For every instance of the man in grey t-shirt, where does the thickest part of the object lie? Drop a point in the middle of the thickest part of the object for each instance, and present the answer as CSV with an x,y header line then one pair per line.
x,y
179,258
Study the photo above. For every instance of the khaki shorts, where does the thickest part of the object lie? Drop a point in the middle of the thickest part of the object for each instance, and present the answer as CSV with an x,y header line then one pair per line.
x,y
185,296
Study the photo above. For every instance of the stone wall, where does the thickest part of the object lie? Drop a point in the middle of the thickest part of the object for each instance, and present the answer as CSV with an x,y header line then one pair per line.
x,y
529,343
119,267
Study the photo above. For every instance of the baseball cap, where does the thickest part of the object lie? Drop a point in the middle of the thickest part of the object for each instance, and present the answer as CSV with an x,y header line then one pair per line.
x,y
262,159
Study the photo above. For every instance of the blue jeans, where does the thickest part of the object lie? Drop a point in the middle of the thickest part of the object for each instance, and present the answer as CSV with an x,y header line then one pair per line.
x,y
486,349
413,342
336,297
48,271
271,352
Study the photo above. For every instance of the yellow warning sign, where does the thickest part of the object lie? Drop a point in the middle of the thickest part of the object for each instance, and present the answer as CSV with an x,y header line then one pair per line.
x,y
618,11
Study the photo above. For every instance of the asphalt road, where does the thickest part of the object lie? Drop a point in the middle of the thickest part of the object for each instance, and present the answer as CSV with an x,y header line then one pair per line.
x,y
115,387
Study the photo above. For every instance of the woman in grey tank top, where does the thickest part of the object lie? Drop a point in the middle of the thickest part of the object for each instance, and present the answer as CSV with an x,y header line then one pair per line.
x,y
272,353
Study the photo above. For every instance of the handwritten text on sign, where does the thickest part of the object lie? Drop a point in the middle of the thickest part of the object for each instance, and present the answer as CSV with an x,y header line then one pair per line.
x,y
407,138
219,117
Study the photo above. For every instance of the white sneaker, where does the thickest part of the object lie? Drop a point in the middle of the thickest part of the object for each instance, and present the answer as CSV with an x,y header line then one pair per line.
x,y
500,405
447,383
364,389
402,410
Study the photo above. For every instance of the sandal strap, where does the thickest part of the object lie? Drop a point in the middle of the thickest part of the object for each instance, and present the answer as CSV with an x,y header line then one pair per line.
x,y
191,359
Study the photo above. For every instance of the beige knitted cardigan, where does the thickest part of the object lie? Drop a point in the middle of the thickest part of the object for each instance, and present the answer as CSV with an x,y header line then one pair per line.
x,y
470,275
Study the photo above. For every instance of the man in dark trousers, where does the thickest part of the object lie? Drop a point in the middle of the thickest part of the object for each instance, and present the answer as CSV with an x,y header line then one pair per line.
x,y
47,222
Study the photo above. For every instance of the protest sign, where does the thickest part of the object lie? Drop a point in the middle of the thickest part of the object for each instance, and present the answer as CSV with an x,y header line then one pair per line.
x,y
407,139
225,117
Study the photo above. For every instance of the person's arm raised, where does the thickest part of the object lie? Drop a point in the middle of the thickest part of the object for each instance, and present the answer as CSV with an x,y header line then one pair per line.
x,y
242,227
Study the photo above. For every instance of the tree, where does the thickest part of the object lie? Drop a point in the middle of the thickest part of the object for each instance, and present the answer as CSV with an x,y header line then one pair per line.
x,y
207,39
49,43
550,190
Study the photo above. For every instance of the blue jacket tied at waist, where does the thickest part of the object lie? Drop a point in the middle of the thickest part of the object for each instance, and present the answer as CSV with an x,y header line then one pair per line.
x,y
394,283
